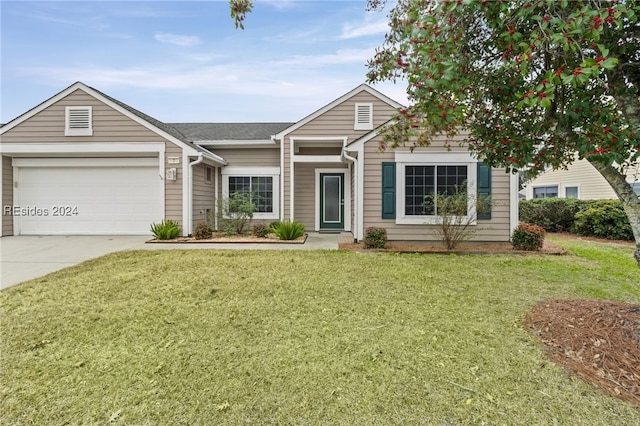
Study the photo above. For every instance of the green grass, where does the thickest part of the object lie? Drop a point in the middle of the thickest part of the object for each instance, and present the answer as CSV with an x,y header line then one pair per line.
x,y
291,337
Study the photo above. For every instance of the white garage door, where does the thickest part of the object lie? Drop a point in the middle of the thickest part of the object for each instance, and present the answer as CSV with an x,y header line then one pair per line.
x,y
88,196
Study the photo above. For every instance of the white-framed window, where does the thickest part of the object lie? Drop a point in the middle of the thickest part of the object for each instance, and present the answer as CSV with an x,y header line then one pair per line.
x,y
422,175
549,191
363,116
572,191
208,174
262,183
78,121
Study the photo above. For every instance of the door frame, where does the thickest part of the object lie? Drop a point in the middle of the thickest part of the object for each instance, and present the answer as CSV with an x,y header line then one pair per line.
x,y
347,195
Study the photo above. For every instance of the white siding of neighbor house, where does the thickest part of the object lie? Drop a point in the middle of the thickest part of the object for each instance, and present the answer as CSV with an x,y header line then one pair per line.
x,y
496,229
7,195
109,125
336,122
591,185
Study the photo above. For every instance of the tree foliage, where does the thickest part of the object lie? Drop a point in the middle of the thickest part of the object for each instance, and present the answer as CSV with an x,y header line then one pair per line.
x,y
534,84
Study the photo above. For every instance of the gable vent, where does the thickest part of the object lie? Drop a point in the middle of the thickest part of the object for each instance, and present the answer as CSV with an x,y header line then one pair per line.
x,y
78,121
364,117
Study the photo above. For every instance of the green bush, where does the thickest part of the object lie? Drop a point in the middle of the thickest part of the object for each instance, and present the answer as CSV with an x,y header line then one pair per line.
x,y
202,231
289,230
527,237
375,238
237,211
165,230
274,225
261,230
604,219
552,214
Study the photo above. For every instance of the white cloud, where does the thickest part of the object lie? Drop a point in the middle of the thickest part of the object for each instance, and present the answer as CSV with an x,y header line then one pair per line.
x,y
342,56
178,40
369,26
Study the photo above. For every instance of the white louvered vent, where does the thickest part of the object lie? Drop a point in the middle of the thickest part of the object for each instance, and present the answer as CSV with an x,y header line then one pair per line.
x,y
78,121
364,117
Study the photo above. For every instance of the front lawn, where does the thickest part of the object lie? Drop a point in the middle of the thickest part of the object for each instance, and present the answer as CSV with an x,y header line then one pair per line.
x,y
202,337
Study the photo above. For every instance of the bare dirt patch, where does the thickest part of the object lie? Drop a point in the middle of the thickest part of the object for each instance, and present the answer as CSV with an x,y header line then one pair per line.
x,y
597,340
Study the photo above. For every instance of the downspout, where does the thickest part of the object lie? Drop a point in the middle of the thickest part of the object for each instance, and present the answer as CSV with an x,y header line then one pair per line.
x,y
189,219
355,197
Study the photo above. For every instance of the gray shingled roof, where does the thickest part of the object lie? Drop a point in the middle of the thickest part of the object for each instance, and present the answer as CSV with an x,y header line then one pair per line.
x,y
198,132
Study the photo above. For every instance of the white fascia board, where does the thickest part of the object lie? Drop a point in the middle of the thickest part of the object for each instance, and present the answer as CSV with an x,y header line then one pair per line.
x,y
82,148
317,158
435,157
44,105
329,106
211,157
266,143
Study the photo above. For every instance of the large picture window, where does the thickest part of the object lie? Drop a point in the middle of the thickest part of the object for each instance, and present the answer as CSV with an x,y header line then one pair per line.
x,y
260,183
422,176
421,182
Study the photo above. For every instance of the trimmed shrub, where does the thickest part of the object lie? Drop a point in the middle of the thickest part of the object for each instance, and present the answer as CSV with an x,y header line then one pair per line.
x,y
237,211
289,230
375,238
604,219
527,237
552,214
165,230
202,231
261,230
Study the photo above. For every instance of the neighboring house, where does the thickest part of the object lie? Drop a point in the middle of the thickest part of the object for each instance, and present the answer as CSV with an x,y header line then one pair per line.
x,y
580,180
84,163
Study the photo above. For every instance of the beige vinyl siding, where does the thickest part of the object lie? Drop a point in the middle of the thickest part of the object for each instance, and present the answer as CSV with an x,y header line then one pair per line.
x,y
305,191
7,195
337,122
496,229
591,185
173,188
108,125
250,157
203,193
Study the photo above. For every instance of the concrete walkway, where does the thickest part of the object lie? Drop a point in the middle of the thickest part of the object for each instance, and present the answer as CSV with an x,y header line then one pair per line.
x,y
26,257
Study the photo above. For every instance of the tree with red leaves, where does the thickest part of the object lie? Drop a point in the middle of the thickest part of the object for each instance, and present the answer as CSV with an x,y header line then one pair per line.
x,y
536,83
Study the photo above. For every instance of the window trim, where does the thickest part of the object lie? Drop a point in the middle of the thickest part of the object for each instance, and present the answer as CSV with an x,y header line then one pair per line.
x,y
208,174
368,125
273,172
404,159
577,187
533,191
69,131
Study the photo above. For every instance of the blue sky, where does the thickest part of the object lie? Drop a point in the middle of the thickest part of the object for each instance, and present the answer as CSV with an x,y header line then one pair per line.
x,y
184,61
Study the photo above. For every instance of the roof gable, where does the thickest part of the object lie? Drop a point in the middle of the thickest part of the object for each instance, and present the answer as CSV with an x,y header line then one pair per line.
x,y
361,88
161,129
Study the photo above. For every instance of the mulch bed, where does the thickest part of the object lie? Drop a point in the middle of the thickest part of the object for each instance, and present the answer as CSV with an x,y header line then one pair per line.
x,y
221,238
437,247
597,340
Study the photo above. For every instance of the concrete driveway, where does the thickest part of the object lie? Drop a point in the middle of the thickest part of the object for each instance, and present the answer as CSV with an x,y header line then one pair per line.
x,y
25,257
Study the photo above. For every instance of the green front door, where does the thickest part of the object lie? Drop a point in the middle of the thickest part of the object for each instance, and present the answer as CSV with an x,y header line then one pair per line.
x,y
331,200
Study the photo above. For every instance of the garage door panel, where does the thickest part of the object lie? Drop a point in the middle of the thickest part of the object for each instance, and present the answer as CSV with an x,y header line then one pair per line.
x,y
107,200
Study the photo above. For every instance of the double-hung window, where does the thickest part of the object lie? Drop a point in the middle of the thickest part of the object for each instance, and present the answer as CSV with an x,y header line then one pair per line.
x,y
550,191
261,184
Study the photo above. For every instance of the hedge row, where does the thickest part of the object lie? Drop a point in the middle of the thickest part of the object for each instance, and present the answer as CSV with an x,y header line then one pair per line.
x,y
596,218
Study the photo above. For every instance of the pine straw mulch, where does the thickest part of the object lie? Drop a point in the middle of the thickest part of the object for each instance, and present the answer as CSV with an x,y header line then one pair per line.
x,y
597,340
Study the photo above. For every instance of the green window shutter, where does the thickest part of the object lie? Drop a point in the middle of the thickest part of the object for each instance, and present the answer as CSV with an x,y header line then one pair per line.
x,y
484,187
388,190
